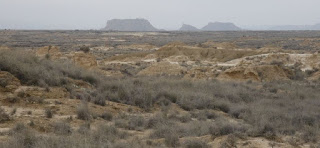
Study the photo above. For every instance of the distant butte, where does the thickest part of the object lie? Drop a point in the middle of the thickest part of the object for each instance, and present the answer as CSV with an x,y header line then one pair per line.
x,y
129,25
219,26
186,27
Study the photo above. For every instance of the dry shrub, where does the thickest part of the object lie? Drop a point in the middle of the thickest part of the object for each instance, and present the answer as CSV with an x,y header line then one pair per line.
x,y
22,137
136,123
172,140
48,113
195,143
3,116
34,100
106,116
229,142
223,127
62,128
12,99
85,49
83,112
31,70
99,100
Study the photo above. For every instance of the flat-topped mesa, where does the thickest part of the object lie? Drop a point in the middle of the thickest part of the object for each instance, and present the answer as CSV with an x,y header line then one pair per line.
x,y
186,27
129,25
219,26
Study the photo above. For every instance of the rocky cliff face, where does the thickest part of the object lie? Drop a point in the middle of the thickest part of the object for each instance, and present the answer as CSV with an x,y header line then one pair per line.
x,y
129,25
186,27
218,26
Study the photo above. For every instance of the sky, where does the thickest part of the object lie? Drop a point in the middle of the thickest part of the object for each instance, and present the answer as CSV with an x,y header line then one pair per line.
x,y
163,14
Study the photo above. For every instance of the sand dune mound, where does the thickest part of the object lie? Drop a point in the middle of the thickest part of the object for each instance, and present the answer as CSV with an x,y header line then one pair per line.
x,y
198,73
8,82
52,51
82,59
4,48
280,58
198,53
315,76
127,57
137,47
177,59
255,73
211,59
304,61
163,68
191,52
218,45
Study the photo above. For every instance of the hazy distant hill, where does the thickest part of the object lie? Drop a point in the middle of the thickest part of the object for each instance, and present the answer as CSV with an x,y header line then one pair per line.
x,y
296,27
186,27
129,25
219,26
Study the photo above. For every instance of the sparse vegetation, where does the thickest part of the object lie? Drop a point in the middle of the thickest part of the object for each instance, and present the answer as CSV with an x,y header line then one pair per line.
x,y
100,100
12,99
195,144
34,100
107,116
62,128
172,140
14,110
229,142
83,112
128,109
31,70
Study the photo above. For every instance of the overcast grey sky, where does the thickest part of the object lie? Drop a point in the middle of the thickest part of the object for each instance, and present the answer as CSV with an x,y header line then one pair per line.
x,y
164,14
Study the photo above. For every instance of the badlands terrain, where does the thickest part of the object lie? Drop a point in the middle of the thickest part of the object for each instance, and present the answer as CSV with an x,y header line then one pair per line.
x,y
93,89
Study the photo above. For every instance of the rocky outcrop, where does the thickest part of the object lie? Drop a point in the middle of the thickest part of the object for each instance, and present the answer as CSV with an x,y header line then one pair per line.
x,y
129,25
8,82
85,60
186,27
219,26
51,52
